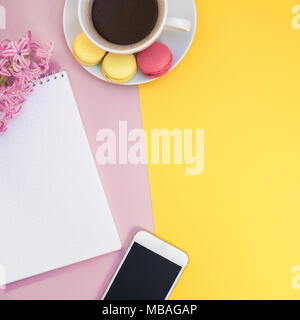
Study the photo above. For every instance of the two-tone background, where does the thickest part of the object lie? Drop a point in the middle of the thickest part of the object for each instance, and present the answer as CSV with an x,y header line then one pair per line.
x,y
240,220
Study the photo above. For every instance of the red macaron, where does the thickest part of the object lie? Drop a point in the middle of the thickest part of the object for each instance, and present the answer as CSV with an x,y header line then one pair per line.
x,y
155,61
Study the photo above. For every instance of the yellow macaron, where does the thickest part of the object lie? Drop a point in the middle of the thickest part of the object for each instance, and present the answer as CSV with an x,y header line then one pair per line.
x,y
85,52
119,68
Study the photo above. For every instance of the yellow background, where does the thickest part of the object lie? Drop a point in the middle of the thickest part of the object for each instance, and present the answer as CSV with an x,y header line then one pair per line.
x,y
240,220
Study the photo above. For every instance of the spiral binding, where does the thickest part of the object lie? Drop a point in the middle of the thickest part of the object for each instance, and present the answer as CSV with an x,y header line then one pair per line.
x,y
55,71
49,78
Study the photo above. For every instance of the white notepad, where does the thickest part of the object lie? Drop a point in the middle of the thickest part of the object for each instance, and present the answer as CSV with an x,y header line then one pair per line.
x,y
53,210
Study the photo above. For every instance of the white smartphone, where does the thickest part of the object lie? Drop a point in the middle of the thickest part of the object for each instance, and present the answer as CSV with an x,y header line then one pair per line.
x,y
149,270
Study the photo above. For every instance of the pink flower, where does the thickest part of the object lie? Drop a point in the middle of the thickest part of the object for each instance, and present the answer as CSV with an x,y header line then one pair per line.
x,y
43,51
3,45
17,50
3,67
9,96
22,63
24,73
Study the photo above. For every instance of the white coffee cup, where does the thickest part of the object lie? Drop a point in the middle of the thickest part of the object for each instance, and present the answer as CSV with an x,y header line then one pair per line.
x,y
163,22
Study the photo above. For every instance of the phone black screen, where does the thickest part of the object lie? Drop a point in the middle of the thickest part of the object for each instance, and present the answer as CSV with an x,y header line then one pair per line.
x,y
144,275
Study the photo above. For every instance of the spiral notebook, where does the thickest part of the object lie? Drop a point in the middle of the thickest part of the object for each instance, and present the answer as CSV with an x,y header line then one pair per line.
x,y
53,209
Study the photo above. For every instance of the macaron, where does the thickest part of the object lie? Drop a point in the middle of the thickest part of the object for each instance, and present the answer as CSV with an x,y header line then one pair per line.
x,y
119,68
85,52
155,61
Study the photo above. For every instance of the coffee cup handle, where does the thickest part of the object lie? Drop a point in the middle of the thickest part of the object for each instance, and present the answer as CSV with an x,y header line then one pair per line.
x,y
178,24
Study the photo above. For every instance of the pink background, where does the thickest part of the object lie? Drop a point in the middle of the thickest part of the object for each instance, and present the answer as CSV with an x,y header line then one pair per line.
x,y
101,105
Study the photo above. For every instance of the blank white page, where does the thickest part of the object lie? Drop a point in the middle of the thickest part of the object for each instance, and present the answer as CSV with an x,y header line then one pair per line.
x,y
53,209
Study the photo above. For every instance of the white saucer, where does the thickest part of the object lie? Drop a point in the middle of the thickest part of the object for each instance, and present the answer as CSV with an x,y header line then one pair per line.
x,y
178,42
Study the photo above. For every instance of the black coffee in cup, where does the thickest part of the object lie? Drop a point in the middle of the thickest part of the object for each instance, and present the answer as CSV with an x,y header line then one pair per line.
x,y
124,22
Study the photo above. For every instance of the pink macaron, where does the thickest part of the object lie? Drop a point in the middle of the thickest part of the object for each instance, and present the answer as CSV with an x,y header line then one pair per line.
x,y
155,61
